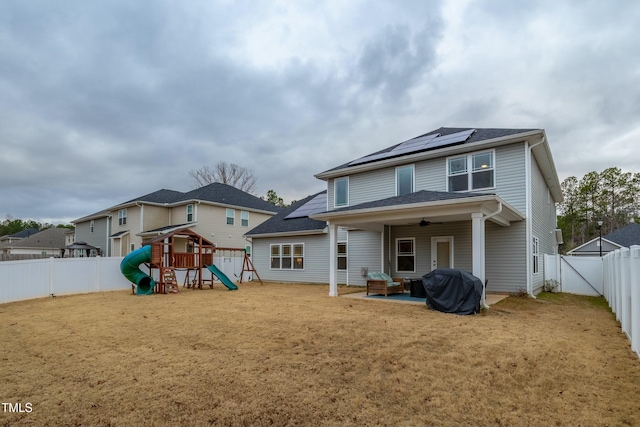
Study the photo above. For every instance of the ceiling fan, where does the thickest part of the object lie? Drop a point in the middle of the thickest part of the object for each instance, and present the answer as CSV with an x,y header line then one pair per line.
x,y
425,223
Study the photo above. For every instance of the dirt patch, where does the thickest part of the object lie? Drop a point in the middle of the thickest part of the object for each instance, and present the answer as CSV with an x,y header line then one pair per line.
x,y
291,355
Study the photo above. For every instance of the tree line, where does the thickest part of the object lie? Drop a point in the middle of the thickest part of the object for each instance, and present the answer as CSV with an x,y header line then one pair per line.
x,y
611,196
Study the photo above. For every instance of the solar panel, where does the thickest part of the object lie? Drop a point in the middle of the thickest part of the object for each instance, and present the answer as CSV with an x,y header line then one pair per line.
x,y
315,205
423,143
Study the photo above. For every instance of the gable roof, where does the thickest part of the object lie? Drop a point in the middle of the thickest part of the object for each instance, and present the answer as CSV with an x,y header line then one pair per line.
x,y
624,237
49,238
280,224
20,234
477,136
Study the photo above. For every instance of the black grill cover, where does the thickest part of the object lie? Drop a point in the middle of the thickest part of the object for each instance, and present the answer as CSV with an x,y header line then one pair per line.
x,y
453,291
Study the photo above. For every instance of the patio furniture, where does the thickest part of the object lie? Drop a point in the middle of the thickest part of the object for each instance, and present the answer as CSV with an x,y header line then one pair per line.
x,y
381,283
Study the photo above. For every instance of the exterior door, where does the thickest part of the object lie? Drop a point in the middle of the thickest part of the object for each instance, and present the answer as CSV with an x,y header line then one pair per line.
x,y
442,252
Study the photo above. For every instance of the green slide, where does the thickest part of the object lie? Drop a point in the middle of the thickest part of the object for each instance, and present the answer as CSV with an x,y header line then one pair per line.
x,y
130,269
223,278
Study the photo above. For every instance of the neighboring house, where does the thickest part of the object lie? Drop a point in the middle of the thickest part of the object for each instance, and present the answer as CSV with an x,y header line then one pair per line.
x,y
483,200
624,237
49,242
12,238
220,212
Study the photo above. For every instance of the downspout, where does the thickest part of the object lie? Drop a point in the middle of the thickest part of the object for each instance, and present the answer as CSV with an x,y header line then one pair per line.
x,y
529,209
141,219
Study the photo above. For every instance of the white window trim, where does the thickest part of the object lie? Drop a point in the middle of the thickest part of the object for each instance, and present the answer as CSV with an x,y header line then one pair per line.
x,y
280,256
470,170
122,217
233,216
242,214
413,178
92,226
415,258
193,212
335,192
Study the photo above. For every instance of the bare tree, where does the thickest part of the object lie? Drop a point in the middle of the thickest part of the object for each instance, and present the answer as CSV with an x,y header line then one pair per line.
x,y
225,173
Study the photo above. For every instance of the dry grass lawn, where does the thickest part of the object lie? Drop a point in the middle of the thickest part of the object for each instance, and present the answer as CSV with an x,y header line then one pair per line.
x,y
291,355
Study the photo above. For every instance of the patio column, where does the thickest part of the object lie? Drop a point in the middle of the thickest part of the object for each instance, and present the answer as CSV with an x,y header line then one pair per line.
x,y
333,270
478,248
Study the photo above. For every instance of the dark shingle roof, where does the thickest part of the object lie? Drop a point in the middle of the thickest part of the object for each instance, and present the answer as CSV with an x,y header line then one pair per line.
x,y
228,195
422,196
477,136
24,233
279,224
626,236
215,193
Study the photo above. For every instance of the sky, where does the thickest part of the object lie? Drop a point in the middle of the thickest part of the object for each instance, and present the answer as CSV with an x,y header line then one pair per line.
x,y
105,101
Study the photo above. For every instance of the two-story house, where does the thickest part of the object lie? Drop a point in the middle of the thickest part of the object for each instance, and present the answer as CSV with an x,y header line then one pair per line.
x,y
219,212
483,200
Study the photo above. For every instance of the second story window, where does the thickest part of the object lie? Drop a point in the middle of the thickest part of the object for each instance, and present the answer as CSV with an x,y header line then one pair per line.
x,y
341,192
231,216
122,217
92,225
189,213
471,172
404,180
244,218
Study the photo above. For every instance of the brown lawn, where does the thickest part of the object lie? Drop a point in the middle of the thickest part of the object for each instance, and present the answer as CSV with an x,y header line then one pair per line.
x,y
291,355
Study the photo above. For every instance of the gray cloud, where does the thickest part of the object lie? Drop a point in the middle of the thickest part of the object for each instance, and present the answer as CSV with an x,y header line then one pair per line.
x,y
98,100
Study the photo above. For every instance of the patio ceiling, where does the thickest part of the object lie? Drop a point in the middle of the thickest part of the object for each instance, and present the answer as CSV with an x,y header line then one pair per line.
x,y
409,211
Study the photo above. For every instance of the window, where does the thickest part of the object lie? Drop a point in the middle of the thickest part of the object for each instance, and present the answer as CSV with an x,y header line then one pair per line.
x,y
341,189
231,216
247,250
536,255
91,226
342,256
287,257
122,217
481,174
189,213
404,180
406,257
244,218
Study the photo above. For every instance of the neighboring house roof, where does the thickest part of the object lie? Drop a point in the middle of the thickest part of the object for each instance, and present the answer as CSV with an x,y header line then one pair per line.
x,y
20,234
96,215
624,237
49,238
281,225
216,192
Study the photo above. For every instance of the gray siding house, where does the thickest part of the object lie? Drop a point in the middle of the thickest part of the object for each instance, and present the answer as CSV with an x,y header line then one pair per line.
x,y
483,200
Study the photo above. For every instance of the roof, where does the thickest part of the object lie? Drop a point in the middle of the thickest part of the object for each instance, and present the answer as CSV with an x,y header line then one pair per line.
x,y
422,196
213,193
49,238
279,224
626,236
21,234
477,136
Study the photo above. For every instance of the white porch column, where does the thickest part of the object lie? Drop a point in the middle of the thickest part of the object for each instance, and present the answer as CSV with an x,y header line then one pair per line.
x,y
333,270
478,248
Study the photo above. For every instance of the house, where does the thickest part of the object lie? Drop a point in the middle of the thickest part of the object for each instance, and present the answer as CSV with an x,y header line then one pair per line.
x,y
624,237
11,238
221,212
483,200
49,242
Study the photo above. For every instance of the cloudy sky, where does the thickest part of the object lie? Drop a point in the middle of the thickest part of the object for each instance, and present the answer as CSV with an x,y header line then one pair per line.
x,y
104,101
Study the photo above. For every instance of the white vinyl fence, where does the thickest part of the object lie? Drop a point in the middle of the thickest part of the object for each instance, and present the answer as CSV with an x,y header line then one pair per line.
x,y
37,278
621,282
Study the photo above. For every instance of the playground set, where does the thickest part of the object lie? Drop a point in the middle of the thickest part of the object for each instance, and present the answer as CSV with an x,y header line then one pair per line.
x,y
182,250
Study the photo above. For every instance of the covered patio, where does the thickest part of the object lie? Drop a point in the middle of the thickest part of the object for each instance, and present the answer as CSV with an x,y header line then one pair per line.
x,y
402,222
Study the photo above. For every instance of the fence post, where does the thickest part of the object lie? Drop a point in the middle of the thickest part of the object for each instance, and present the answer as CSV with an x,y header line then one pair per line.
x,y
616,284
624,291
635,298
51,277
97,279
